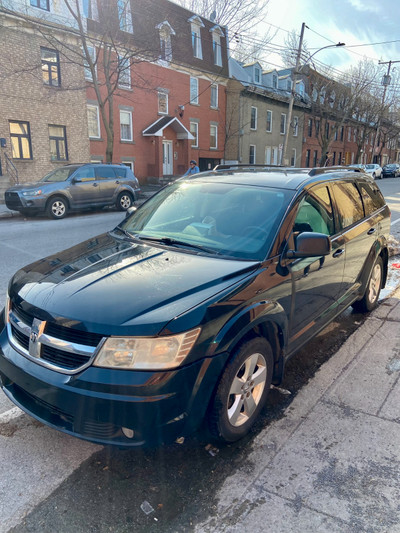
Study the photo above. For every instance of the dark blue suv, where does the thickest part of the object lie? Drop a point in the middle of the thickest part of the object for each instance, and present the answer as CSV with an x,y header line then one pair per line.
x,y
189,309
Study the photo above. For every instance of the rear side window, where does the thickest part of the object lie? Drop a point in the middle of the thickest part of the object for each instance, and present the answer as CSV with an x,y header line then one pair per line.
x,y
349,203
104,172
121,171
372,197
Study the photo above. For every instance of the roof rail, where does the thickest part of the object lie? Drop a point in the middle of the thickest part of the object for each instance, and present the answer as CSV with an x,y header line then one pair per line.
x,y
247,166
323,170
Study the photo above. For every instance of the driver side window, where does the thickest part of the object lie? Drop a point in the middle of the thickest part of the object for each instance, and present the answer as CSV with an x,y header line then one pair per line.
x,y
315,213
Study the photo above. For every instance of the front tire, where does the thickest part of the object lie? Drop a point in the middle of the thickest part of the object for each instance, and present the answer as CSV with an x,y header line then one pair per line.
x,y
242,390
370,299
57,208
124,201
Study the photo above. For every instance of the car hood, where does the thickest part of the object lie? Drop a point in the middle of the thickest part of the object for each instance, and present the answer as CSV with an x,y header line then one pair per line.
x,y
31,186
111,286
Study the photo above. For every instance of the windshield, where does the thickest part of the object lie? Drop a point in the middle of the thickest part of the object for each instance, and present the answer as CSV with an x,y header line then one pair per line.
x,y
232,220
60,174
370,167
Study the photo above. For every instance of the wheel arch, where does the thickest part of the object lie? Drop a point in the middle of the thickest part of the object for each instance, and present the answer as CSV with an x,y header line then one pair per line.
x,y
57,195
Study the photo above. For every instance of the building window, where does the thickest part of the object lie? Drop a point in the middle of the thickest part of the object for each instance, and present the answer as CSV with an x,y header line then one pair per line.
x,y
342,133
163,103
87,9
267,155
42,4
125,16
196,25
317,125
58,143
216,40
20,135
50,67
335,137
124,73
86,67
252,155
213,136
315,159
93,121
308,157
194,130
274,81
334,159
129,164
269,121
283,123
194,91
165,31
257,75
293,158
327,130
214,96
253,118
310,127
295,126
349,134
125,119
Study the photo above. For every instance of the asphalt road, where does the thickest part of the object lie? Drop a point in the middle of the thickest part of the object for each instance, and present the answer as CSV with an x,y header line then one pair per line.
x,y
63,484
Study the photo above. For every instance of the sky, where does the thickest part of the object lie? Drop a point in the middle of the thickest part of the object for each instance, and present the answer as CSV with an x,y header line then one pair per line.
x,y
354,22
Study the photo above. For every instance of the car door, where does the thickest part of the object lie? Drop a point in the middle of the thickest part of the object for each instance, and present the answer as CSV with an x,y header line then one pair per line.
x,y
316,281
84,187
108,183
359,227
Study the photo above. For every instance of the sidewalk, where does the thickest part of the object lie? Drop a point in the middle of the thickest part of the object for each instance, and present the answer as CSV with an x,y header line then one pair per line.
x,y
332,464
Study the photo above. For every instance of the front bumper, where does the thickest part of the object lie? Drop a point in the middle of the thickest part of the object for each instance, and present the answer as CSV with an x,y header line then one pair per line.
x,y
97,403
17,202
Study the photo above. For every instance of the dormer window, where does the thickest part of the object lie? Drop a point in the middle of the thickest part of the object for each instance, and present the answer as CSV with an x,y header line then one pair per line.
x,y
165,31
125,16
217,33
257,75
274,81
196,24
288,85
300,88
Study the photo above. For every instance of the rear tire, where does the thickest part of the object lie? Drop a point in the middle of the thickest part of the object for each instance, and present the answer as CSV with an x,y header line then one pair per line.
x,y
57,207
370,299
242,390
124,201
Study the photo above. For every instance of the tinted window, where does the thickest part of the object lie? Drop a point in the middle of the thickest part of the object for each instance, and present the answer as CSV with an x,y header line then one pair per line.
x,y
104,172
349,203
121,172
315,213
61,174
85,173
372,197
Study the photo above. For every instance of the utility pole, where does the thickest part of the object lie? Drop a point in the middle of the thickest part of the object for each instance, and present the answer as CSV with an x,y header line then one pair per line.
x,y
292,96
386,83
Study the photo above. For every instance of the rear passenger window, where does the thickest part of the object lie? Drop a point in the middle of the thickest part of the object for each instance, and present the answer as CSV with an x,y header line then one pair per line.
x,y
372,197
121,172
104,172
349,203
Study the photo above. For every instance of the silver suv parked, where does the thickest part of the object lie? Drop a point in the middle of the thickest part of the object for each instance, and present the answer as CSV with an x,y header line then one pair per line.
x,y
73,187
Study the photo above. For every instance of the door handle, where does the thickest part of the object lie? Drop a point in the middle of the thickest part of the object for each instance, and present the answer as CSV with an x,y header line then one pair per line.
x,y
371,231
338,253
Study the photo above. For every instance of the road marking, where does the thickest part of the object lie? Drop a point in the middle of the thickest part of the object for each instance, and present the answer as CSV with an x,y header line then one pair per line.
x,y
395,222
9,415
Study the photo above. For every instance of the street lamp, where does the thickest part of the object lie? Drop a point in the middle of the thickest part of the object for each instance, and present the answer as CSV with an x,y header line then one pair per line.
x,y
292,93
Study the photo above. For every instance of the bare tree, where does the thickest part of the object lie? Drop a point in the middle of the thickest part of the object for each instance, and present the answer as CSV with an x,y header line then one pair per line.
x,y
289,53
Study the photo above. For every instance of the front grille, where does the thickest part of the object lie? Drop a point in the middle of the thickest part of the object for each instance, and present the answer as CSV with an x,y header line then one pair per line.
x,y
13,200
58,347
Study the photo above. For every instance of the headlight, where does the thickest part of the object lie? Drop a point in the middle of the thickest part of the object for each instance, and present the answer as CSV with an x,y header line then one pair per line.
x,y
32,193
145,353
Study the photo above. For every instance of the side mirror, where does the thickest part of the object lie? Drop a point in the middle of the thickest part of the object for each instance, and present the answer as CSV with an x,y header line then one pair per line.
x,y
76,180
310,245
130,211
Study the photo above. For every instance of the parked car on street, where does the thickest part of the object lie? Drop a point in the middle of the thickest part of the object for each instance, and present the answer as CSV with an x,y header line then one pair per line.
x,y
189,309
392,169
75,187
374,170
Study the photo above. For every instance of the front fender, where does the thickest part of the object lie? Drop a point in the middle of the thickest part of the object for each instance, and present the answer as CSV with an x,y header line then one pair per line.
x,y
257,315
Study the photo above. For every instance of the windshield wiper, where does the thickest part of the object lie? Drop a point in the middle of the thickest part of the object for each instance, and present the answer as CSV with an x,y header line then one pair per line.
x,y
176,242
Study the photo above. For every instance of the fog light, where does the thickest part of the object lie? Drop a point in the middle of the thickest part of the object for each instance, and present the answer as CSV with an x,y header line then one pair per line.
x,y
128,432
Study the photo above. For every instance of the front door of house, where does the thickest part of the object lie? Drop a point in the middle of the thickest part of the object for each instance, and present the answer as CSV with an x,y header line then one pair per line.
x,y
168,166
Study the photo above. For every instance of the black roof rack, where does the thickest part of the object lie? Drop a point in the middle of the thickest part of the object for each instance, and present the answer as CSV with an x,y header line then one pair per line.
x,y
325,170
254,168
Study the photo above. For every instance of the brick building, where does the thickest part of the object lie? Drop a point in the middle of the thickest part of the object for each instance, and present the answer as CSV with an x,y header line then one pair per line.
x,y
42,104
